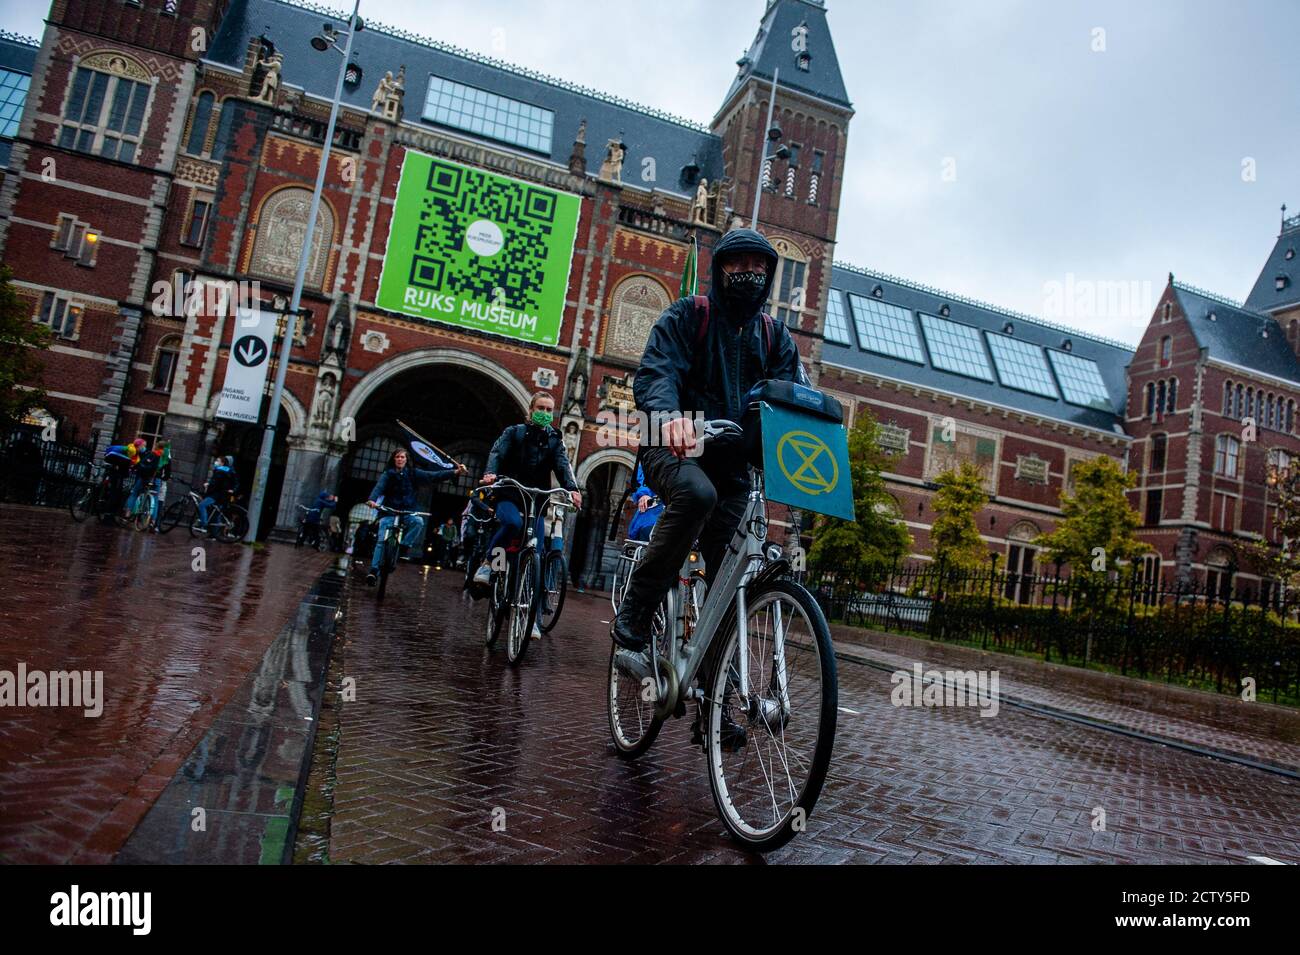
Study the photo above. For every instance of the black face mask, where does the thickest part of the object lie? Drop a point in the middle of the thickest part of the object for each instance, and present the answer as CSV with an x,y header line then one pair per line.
x,y
744,292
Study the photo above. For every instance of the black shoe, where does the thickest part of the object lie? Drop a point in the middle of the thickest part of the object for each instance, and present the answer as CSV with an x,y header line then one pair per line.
x,y
372,578
632,625
733,734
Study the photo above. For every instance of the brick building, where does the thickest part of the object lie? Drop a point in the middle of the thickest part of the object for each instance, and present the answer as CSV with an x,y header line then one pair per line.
x,y
168,144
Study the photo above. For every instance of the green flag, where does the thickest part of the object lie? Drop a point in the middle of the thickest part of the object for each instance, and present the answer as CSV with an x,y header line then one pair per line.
x,y
690,284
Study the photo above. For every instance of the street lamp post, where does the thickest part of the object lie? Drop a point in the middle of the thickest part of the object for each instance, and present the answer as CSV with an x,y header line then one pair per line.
x,y
773,134
327,40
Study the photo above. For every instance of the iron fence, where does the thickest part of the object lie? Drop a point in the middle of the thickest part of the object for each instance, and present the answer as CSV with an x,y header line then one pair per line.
x,y
42,472
1206,635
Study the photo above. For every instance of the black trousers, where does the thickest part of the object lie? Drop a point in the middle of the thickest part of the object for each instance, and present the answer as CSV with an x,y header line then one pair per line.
x,y
703,497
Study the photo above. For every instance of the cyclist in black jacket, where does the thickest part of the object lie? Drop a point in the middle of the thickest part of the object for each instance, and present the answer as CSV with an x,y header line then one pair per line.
x,y
702,359
530,453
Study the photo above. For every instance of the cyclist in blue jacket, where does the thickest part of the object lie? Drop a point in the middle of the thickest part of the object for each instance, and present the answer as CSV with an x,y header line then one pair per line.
x,y
396,486
643,521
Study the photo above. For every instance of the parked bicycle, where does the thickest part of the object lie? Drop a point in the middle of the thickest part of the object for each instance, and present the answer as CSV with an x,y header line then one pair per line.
x,y
514,589
95,499
389,538
768,690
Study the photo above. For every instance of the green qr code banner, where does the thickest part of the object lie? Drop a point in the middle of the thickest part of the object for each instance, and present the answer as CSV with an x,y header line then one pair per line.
x,y
478,250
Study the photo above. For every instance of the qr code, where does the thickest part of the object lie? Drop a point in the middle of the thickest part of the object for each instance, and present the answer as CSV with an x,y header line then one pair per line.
x,y
455,199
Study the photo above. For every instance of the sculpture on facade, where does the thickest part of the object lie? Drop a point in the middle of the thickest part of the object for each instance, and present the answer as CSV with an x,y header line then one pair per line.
x,y
700,207
387,100
270,65
611,170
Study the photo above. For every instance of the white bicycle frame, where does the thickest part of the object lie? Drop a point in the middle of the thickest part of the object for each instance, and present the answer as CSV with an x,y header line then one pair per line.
x,y
742,559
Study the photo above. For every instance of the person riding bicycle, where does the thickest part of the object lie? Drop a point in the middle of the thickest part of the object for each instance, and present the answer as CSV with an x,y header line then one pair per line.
x,y
648,509
220,488
396,486
702,358
473,520
148,474
529,453
119,459
312,517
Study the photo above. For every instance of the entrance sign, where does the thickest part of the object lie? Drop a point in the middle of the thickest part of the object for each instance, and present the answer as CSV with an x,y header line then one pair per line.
x,y
806,462
250,354
478,250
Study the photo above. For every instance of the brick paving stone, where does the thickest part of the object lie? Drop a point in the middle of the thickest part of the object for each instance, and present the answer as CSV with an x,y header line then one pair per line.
x,y
443,732
173,644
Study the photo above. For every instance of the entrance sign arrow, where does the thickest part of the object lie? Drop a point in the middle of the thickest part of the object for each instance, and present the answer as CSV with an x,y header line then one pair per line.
x,y
241,397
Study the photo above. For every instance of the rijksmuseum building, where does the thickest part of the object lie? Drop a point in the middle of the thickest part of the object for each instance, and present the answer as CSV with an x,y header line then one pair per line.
x,y
487,232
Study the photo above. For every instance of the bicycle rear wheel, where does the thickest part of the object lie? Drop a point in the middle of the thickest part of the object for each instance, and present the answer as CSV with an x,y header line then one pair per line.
x,y
555,586
84,503
177,512
766,775
387,563
523,607
633,723
143,516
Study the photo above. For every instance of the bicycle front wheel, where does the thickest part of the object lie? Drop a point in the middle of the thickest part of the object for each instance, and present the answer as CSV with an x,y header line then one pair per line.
x,y
633,723
555,586
523,608
498,606
769,748
177,512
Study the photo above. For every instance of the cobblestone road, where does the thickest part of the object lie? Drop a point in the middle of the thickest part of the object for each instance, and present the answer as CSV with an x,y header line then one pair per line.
x,y
443,733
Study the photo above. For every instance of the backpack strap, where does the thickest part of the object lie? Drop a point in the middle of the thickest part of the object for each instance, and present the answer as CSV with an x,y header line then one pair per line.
x,y
701,318
767,336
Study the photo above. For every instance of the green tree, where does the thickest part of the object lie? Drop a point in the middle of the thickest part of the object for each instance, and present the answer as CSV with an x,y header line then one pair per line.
x,y
1096,533
1281,563
21,340
877,536
954,536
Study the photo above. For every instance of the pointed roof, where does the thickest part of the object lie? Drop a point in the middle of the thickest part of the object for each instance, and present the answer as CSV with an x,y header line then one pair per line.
x,y
773,48
1283,264
1238,334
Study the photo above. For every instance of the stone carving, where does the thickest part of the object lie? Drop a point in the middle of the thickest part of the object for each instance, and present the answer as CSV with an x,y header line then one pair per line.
x,y
322,414
281,231
611,170
572,438
387,100
544,378
270,65
700,207
375,341
636,306
617,392
1031,468
578,158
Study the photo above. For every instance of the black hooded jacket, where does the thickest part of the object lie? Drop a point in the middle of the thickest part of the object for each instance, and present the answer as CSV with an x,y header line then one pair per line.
x,y
679,373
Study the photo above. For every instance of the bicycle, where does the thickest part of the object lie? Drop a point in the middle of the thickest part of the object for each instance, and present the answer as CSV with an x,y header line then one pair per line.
x,y
515,588
226,522
309,531
146,503
555,583
94,498
763,646
390,538
476,554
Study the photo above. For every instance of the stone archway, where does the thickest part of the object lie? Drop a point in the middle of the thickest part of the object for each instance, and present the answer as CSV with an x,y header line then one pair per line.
x,y
602,477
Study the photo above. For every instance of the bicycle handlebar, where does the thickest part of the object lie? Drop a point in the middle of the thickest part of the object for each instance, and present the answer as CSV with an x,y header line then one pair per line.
x,y
511,482
393,510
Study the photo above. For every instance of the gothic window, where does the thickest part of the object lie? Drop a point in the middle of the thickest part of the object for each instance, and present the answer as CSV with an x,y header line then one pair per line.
x,y
106,107
1159,444
198,139
1238,405
1172,404
281,231
637,303
165,360
787,301
1227,399
1226,450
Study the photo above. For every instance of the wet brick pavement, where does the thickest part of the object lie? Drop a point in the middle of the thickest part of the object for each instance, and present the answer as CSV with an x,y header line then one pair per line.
x,y
443,733
1257,730
174,645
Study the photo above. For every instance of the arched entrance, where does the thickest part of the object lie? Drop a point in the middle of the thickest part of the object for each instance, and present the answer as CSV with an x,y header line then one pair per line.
x,y
603,478
244,441
451,402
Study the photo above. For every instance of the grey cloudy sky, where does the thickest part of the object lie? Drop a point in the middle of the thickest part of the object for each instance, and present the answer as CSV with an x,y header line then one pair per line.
x,y
1114,166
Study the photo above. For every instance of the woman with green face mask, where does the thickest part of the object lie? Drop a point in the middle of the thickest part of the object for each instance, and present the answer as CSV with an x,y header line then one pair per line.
x,y
530,453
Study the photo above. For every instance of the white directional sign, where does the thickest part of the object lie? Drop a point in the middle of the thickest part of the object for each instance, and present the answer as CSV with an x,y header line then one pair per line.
x,y
250,353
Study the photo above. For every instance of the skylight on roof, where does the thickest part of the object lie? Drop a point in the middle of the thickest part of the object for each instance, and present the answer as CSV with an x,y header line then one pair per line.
x,y
1081,381
449,103
1021,365
955,347
837,323
886,329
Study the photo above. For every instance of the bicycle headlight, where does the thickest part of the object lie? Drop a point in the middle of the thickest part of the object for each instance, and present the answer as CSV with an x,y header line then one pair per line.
x,y
774,551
